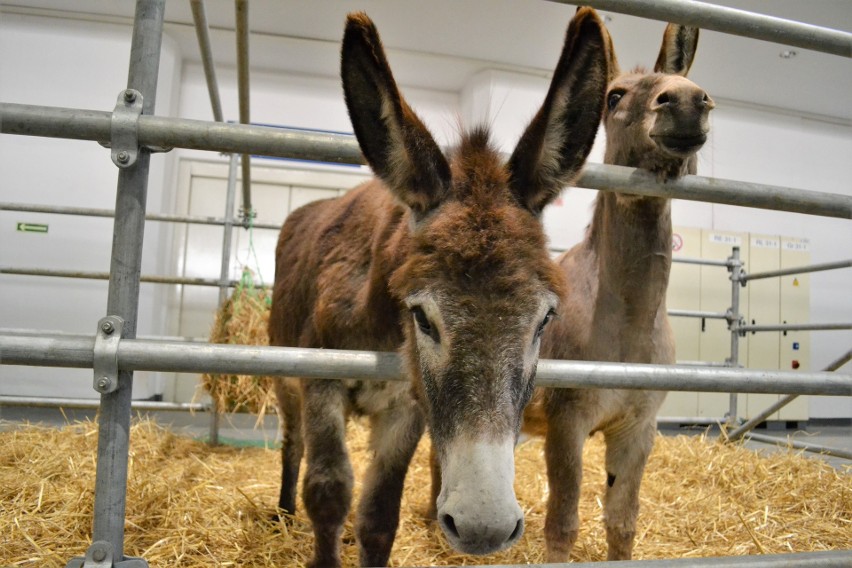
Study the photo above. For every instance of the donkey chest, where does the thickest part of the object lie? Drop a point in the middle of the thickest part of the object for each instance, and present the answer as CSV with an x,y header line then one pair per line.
x,y
368,398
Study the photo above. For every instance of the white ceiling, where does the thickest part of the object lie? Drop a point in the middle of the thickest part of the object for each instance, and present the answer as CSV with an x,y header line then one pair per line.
x,y
439,44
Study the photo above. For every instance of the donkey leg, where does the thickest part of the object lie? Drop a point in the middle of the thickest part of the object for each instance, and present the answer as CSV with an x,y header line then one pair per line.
x,y
292,445
328,481
627,452
394,436
563,451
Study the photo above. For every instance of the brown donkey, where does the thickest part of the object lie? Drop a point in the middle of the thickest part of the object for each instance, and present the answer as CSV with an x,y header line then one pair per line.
x,y
614,308
443,257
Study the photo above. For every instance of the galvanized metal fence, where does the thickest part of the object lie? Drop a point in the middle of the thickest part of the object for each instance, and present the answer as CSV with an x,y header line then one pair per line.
x,y
133,132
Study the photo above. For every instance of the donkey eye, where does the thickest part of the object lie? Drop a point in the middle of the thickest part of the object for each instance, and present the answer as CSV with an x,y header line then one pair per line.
x,y
550,315
613,98
424,324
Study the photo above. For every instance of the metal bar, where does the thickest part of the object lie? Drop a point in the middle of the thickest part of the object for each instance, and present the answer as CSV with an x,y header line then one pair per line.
x,y
703,420
782,402
715,190
789,442
202,32
241,8
735,267
106,276
123,295
144,355
40,332
45,401
92,212
77,124
795,327
702,364
697,314
824,559
733,21
798,270
339,148
230,198
703,261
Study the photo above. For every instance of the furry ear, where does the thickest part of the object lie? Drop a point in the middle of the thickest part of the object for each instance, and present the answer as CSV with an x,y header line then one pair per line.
x,y
555,145
678,50
395,142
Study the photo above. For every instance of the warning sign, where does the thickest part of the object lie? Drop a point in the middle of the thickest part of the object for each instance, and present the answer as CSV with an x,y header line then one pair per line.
x,y
795,281
677,242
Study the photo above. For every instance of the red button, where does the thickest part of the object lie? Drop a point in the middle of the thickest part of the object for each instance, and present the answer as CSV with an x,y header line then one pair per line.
x,y
795,364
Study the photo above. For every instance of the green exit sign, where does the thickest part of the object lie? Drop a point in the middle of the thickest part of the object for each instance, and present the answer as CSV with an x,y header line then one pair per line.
x,y
32,228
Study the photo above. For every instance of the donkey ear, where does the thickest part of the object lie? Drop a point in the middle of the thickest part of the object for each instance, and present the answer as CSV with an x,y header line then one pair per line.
x,y
556,143
678,50
394,141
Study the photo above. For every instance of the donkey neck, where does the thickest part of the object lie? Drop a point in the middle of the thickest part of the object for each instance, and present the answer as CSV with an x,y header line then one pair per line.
x,y
630,238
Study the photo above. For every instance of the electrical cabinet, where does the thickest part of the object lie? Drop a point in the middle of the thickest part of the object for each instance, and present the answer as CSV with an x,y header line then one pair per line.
x,y
763,302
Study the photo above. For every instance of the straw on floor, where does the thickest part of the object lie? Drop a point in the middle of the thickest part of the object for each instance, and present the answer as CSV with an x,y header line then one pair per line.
x,y
191,505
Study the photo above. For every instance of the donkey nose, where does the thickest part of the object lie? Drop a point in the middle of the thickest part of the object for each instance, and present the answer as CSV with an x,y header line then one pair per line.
x,y
478,534
683,98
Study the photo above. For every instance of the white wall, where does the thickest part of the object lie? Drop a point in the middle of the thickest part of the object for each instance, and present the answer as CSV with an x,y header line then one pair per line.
x,y
84,65
45,61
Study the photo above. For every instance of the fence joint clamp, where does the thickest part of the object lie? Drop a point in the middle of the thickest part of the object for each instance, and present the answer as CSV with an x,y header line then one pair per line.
x,y
105,361
123,135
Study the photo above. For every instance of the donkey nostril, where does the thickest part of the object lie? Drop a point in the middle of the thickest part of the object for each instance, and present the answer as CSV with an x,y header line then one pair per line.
x,y
519,530
663,99
450,525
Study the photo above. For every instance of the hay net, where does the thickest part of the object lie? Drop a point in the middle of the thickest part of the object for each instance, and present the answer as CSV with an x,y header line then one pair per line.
x,y
242,320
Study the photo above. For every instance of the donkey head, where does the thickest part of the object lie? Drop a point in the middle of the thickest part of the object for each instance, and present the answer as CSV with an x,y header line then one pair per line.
x,y
658,121
475,281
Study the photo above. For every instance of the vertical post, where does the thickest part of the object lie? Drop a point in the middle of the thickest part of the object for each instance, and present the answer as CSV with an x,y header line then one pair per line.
x,y
241,7
733,325
224,280
123,296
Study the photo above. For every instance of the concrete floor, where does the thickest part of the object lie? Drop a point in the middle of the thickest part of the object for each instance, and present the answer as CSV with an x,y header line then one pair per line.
x,y
241,429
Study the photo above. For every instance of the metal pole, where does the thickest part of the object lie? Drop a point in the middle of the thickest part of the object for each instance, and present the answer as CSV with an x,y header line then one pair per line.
x,y
44,401
145,355
782,402
789,442
702,261
697,314
106,276
241,7
123,295
826,559
798,270
733,21
733,323
343,149
224,282
743,329
202,31
93,212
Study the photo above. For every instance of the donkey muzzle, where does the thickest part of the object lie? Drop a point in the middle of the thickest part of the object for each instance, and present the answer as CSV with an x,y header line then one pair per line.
x,y
477,508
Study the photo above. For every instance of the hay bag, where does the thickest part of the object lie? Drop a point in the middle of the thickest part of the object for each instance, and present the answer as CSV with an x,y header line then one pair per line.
x,y
242,320
191,505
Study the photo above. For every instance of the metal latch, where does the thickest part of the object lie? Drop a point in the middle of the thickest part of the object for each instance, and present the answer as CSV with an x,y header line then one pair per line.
x,y
106,354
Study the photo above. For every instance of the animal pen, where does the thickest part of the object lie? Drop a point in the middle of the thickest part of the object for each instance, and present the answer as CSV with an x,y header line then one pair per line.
x,y
133,132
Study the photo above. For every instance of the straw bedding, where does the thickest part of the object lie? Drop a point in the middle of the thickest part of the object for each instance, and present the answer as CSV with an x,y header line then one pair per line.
x,y
192,505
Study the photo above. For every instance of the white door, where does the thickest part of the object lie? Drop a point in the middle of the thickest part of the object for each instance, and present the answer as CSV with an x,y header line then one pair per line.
x,y
275,192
